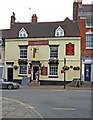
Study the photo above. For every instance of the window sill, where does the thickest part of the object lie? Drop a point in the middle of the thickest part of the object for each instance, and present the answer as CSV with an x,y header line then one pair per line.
x,y
53,76
89,26
89,48
22,75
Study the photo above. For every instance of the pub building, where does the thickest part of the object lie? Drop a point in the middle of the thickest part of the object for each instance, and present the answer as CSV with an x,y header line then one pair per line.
x,y
41,47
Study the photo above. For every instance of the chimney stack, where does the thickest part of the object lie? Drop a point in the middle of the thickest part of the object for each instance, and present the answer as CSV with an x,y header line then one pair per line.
x,y
79,1
34,18
76,6
12,19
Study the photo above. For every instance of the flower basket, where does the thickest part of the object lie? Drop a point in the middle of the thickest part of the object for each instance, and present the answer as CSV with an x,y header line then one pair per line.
x,y
15,67
22,61
76,68
65,68
62,71
53,61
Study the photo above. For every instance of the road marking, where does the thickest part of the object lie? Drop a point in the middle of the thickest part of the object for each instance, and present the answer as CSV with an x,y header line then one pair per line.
x,y
58,90
68,109
25,105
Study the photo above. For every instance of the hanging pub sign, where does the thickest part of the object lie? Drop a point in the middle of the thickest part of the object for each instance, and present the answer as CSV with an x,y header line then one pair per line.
x,y
69,49
44,71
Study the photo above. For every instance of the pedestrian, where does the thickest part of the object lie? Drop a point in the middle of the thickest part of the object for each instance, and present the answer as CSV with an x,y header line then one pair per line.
x,y
30,79
37,76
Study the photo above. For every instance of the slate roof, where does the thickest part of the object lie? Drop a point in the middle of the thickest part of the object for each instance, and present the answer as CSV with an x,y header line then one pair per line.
x,y
86,8
43,29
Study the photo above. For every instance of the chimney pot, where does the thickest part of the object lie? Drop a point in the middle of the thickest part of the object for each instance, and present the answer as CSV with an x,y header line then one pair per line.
x,y
34,18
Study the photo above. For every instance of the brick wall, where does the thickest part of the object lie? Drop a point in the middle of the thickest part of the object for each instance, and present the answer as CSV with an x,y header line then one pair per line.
x,y
83,30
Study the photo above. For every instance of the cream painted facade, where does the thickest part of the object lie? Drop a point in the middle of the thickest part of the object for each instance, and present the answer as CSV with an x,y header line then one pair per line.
x,y
42,56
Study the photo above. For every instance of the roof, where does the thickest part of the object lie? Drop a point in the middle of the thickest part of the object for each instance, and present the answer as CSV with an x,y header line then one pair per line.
x,y
43,29
86,8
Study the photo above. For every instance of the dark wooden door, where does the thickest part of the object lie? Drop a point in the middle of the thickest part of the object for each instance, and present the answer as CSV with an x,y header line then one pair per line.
x,y
10,74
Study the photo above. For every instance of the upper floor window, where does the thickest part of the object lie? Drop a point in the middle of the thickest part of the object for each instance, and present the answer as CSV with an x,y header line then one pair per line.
x,y
23,33
89,21
89,40
53,51
59,32
23,51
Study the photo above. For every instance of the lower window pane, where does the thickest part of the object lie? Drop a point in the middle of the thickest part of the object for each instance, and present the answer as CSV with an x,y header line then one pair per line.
x,y
23,69
53,70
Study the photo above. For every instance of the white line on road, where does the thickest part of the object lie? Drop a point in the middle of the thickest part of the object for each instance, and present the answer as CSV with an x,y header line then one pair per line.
x,y
68,109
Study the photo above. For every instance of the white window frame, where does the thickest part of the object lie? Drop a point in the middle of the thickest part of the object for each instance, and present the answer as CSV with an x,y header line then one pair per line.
x,y
89,21
23,51
59,32
53,54
23,33
53,70
88,33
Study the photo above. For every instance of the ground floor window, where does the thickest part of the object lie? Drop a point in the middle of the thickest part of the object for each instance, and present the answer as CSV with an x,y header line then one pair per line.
x,y
23,69
53,71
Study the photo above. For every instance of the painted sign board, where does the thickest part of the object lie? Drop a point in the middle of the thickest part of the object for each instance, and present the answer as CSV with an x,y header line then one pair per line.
x,y
44,71
38,42
69,49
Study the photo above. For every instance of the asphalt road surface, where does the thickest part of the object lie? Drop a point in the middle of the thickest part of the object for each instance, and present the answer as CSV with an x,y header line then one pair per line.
x,y
46,103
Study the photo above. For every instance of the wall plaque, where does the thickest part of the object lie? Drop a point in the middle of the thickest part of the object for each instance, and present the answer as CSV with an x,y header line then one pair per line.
x,y
44,71
69,49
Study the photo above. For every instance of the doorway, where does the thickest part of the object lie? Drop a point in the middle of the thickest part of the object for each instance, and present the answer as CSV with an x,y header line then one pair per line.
x,y
35,69
87,72
10,74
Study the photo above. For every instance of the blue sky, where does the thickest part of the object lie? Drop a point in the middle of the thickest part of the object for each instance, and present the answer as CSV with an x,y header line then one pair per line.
x,y
46,10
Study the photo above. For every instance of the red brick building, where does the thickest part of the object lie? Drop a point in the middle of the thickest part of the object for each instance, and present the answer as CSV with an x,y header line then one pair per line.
x,y
83,13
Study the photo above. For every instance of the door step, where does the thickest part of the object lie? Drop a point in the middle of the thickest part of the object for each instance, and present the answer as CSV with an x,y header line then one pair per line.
x,y
34,83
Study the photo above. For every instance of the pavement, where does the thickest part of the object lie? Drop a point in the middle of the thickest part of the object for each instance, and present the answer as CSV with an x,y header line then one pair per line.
x,y
54,87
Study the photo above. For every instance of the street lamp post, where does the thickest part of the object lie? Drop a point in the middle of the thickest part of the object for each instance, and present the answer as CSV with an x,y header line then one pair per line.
x,y
64,73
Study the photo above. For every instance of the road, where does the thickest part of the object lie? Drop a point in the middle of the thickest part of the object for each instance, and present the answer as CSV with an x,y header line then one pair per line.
x,y
48,103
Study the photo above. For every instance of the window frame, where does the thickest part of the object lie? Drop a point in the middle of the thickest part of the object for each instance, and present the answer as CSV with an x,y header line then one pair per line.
x,y
53,68
23,33
54,53
59,32
89,40
89,21
23,52
23,72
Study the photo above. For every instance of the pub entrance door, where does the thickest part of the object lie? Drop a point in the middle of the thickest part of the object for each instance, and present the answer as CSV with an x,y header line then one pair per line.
x,y
35,69
87,72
